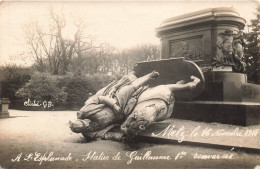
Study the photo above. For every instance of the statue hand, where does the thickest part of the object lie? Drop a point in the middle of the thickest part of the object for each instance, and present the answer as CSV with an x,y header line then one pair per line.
x,y
195,79
194,83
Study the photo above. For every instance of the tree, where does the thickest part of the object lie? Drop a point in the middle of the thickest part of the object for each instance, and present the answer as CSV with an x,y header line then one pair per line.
x,y
146,52
50,49
252,49
32,35
65,47
106,54
95,60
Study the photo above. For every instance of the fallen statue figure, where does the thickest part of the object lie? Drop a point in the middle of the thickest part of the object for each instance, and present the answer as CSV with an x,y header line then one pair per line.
x,y
129,103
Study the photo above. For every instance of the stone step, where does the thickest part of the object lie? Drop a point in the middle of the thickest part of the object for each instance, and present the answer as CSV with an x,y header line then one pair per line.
x,y
236,113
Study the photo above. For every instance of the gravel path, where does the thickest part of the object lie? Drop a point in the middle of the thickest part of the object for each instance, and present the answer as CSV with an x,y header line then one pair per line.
x,y
29,135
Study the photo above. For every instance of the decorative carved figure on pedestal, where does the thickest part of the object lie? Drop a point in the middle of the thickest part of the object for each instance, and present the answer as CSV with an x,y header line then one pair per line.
x,y
231,51
238,46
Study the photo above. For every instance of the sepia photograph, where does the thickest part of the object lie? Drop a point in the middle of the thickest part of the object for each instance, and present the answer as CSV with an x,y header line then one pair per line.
x,y
129,84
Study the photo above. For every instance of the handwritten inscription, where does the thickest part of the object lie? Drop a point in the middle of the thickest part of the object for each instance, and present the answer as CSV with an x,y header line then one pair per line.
x,y
171,131
35,103
130,156
40,157
212,156
94,156
133,156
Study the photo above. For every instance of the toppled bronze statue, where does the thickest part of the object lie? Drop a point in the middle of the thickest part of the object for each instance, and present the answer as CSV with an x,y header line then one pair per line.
x,y
128,102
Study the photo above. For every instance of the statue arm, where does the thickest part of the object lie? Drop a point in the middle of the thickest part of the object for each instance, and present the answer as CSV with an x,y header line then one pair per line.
x,y
109,102
188,86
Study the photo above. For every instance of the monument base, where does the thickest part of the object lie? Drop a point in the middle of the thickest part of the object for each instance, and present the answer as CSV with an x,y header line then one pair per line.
x,y
236,113
225,98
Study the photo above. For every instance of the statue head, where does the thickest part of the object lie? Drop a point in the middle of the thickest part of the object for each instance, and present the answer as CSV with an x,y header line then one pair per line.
x,y
139,120
228,32
78,125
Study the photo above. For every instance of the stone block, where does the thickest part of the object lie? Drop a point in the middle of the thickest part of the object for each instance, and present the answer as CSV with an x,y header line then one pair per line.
x,y
229,77
222,91
252,115
236,113
172,71
4,104
250,92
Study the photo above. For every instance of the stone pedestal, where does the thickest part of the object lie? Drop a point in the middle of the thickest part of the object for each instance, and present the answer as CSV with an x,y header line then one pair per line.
x,y
208,37
4,104
212,39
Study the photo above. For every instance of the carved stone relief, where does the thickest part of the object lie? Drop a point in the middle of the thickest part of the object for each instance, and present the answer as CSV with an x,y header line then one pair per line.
x,y
190,49
230,51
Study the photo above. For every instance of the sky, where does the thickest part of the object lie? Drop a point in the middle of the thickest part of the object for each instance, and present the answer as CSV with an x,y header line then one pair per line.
x,y
122,24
